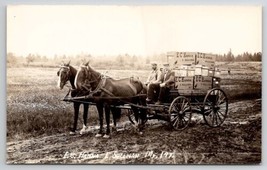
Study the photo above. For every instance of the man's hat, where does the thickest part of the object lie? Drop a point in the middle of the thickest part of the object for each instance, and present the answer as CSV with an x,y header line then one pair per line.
x,y
153,63
166,64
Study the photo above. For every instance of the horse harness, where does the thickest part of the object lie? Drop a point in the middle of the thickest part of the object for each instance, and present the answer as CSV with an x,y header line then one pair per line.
x,y
101,85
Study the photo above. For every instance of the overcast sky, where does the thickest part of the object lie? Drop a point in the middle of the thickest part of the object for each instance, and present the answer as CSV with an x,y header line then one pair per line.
x,y
139,30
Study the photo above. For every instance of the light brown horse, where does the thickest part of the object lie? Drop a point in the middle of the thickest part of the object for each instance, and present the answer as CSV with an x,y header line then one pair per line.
x,y
108,91
67,73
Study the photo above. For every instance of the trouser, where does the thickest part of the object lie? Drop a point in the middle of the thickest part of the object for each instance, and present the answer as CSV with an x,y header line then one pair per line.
x,y
163,94
155,92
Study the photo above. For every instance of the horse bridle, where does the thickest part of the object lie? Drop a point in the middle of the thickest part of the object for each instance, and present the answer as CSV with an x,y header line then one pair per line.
x,y
68,71
95,79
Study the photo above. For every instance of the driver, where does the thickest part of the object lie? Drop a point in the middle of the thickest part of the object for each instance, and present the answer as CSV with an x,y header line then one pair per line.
x,y
163,88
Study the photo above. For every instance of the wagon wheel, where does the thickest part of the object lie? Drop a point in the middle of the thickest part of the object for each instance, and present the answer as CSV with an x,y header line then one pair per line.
x,y
180,113
133,119
215,107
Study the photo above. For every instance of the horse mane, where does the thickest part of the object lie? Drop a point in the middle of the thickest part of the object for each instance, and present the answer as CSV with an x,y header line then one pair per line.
x,y
73,72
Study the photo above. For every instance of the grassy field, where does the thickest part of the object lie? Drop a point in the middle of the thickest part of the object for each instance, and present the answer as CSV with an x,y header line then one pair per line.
x,y
34,105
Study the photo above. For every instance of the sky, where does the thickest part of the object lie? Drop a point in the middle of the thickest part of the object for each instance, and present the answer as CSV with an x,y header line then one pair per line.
x,y
135,30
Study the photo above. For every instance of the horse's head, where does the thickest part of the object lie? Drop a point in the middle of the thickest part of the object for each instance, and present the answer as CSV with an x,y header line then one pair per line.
x,y
82,76
63,74
138,84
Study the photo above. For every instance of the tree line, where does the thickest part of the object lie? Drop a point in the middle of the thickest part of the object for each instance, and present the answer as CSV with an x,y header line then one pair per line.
x,y
121,61
229,57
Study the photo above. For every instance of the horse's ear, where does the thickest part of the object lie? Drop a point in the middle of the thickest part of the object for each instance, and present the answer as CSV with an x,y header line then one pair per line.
x,y
87,63
68,64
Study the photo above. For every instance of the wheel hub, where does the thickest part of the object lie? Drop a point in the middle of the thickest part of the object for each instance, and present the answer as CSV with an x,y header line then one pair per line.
x,y
216,108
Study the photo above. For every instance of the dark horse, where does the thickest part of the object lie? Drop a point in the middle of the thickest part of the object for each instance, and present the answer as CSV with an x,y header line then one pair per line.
x,y
67,73
105,90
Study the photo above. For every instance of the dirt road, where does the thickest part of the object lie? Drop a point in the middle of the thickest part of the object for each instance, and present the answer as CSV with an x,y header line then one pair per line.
x,y
237,141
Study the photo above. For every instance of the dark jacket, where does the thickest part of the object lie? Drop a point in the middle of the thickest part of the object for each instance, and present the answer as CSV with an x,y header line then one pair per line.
x,y
168,78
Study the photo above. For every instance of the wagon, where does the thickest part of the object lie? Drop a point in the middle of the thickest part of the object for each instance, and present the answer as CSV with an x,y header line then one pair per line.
x,y
197,90
213,106
178,110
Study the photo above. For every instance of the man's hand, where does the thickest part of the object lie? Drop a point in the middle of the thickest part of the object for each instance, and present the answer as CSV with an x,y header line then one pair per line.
x,y
162,85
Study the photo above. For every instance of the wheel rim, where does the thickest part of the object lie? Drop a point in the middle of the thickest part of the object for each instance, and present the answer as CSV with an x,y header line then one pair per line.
x,y
132,118
180,113
215,107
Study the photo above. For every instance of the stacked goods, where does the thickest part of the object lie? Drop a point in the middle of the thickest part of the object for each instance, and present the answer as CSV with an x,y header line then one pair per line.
x,y
193,70
202,82
207,60
191,58
185,83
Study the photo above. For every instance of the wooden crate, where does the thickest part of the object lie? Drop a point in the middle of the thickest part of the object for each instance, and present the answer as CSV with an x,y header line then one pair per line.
x,y
184,83
207,60
202,82
186,58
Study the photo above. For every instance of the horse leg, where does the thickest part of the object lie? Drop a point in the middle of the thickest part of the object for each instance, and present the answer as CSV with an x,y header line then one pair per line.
x,y
141,123
76,107
85,114
142,114
113,111
116,114
100,117
107,114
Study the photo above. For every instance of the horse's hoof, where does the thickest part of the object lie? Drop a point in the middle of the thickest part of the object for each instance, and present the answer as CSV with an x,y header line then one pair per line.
x,y
72,133
120,129
98,135
106,136
83,131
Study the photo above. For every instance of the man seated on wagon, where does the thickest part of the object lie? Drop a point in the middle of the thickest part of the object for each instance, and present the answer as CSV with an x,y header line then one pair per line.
x,y
154,77
163,88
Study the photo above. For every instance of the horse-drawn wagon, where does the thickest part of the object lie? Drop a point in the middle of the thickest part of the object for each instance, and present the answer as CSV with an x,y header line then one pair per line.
x,y
197,90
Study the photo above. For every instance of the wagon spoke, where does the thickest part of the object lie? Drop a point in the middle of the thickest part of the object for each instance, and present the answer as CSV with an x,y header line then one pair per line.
x,y
186,106
209,102
207,111
187,115
174,124
219,116
221,101
183,122
179,105
213,119
174,118
177,108
220,113
186,109
216,118
182,105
